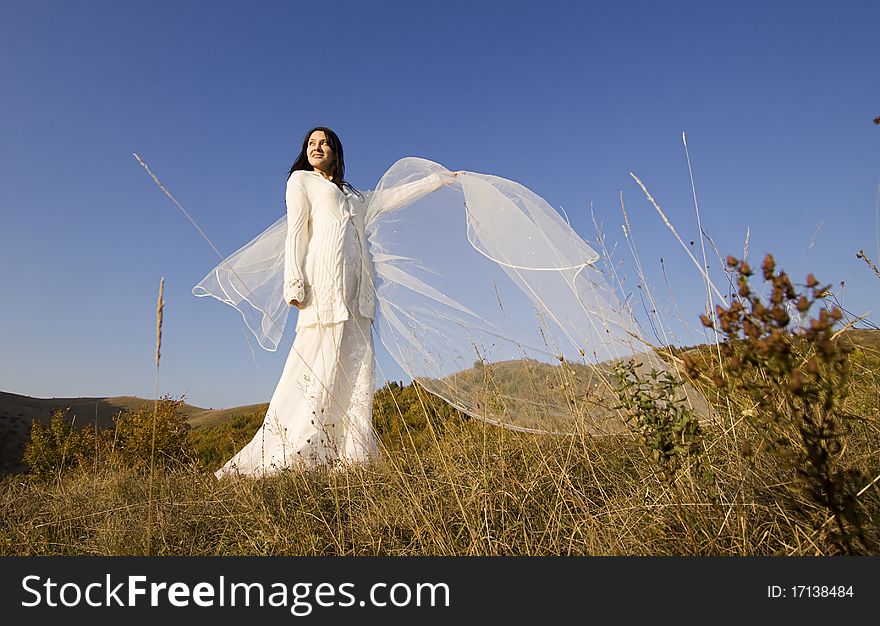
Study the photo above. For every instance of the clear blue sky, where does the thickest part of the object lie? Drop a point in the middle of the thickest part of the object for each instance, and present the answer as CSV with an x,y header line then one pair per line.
x,y
777,99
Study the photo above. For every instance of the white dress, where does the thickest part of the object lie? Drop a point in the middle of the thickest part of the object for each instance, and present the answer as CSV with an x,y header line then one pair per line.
x,y
321,410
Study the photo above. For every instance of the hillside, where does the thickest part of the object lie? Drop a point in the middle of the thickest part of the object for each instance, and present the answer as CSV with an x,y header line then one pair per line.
x,y
560,397
17,412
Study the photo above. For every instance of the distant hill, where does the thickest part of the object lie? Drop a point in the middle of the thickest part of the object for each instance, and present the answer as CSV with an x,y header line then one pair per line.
x,y
559,397
866,339
18,412
207,418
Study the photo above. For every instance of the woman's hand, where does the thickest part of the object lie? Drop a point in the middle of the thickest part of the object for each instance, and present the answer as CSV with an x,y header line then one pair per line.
x,y
449,178
296,303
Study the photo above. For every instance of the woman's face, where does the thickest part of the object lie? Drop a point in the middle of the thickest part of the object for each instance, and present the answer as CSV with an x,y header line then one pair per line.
x,y
321,155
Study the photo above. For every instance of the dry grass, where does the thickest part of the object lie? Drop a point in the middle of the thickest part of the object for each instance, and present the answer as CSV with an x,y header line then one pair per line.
x,y
477,490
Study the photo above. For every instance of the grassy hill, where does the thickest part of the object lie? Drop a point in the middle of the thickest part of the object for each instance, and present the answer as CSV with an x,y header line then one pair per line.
x,y
451,486
18,412
562,397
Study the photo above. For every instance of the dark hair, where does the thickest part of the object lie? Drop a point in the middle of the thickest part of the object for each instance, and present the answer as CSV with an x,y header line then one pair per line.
x,y
302,161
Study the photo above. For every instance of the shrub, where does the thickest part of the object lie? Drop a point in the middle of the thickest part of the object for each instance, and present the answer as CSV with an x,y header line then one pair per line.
x,y
59,446
405,415
660,417
214,445
134,437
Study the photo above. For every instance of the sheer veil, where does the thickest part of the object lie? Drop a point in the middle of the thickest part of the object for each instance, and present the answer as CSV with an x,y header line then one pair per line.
x,y
485,296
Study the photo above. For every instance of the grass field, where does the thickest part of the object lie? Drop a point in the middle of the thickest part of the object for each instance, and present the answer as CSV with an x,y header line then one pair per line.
x,y
449,486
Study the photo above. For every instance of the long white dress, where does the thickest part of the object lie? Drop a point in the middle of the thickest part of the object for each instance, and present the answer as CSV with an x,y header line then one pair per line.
x,y
321,410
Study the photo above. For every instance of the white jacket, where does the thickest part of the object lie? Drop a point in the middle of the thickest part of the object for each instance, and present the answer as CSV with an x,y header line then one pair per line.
x,y
317,212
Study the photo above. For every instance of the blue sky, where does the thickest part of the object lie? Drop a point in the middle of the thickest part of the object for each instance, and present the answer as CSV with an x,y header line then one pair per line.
x,y
777,100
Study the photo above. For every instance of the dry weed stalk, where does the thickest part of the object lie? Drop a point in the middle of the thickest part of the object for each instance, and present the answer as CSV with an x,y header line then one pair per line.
x,y
797,383
160,305
861,255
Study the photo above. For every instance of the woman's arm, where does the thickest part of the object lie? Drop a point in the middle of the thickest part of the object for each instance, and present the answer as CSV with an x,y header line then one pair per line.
x,y
396,197
297,242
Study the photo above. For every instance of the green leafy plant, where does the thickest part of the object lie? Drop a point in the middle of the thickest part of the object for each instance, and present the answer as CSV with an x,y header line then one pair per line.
x,y
659,415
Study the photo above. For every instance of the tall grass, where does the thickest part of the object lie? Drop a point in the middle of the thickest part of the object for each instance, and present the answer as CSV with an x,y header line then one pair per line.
x,y
455,487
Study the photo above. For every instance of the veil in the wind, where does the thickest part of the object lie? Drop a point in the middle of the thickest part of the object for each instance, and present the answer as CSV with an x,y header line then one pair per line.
x,y
485,296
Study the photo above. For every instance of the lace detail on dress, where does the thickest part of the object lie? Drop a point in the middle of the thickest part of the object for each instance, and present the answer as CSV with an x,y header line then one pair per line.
x,y
360,439
295,289
323,299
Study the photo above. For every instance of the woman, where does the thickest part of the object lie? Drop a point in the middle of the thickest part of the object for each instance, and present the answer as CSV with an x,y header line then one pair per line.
x,y
321,410
484,268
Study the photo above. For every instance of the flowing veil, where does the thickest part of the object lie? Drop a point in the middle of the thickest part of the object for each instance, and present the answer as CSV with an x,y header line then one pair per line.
x,y
485,296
